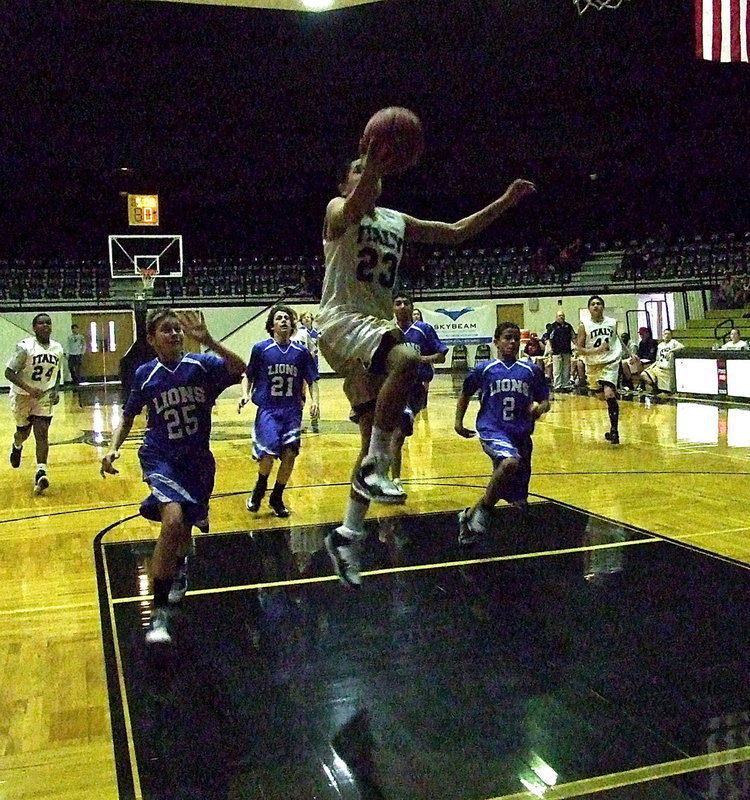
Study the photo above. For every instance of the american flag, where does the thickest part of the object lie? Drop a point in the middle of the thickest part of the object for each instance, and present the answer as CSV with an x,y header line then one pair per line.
x,y
721,30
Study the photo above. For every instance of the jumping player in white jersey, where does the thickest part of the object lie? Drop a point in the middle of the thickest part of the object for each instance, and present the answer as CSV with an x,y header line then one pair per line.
x,y
35,374
513,394
179,391
363,244
601,349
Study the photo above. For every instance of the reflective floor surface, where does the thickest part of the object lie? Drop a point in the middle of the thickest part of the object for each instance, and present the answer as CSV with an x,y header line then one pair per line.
x,y
565,656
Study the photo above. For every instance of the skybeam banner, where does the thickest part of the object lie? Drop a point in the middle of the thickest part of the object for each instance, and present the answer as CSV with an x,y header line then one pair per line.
x,y
461,323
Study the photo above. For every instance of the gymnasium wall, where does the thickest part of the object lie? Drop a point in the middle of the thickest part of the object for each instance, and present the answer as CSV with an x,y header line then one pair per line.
x,y
227,323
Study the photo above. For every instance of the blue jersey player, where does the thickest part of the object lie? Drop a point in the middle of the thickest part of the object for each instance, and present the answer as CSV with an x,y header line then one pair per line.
x,y
178,390
512,396
419,336
278,370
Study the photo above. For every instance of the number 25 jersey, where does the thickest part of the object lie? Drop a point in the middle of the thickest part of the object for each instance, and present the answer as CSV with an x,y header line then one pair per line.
x,y
362,265
179,399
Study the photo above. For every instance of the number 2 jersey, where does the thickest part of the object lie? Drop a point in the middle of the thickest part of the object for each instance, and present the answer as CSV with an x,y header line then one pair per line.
x,y
36,364
277,373
506,392
362,265
179,399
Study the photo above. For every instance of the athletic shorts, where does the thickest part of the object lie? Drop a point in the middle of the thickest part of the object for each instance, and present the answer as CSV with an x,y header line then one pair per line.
x,y
502,448
349,343
276,427
602,373
24,407
187,481
660,376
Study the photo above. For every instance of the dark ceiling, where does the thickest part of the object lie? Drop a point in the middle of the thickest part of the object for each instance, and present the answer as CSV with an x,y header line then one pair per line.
x,y
238,117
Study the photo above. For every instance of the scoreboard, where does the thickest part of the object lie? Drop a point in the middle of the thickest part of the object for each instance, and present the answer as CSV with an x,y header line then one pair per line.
x,y
143,209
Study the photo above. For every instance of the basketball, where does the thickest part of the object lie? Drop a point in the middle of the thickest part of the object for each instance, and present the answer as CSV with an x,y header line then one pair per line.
x,y
398,132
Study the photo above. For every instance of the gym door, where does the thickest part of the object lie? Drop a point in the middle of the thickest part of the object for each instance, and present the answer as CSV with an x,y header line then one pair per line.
x,y
109,334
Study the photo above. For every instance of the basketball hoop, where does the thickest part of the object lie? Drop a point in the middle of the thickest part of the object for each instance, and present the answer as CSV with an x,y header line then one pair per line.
x,y
584,5
148,276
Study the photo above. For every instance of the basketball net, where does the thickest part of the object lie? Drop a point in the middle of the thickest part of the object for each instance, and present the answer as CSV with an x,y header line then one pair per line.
x,y
148,276
584,5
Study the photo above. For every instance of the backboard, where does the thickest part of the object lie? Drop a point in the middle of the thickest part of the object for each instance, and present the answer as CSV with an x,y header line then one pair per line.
x,y
130,254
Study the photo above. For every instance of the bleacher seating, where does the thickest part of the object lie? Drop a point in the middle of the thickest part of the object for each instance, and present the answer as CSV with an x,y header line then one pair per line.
x,y
444,271
707,258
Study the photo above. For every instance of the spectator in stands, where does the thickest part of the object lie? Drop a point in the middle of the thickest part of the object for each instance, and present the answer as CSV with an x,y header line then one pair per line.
x,y
727,293
571,257
735,342
534,350
416,315
561,335
660,375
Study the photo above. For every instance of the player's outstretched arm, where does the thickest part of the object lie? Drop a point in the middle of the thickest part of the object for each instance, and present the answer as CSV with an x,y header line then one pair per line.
x,y
345,211
194,324
118,437
420,230
461,406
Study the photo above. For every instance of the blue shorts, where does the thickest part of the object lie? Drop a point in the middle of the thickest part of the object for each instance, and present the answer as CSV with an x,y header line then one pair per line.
x,y
275,428
188,482
502,448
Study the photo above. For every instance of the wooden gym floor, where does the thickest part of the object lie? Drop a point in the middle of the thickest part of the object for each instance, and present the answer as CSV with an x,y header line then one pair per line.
x,y
597,646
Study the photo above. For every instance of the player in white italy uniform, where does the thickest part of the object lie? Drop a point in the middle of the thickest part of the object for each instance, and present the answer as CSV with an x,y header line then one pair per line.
x,y
35,373
660,374
363,245
601,349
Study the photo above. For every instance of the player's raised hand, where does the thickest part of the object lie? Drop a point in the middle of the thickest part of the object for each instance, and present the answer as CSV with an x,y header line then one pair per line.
x,y
194,324
107,467
243,402
518,190
467,433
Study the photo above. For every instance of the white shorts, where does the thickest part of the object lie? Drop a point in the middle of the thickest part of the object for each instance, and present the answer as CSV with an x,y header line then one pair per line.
x,y
602,373
24,406
349,341
660,376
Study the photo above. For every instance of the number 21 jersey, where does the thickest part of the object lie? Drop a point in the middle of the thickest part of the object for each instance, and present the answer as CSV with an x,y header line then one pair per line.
x,y
277,373
362,264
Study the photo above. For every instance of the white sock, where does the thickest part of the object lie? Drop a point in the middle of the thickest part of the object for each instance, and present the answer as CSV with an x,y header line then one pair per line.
x,y
380,444
355,514
41,466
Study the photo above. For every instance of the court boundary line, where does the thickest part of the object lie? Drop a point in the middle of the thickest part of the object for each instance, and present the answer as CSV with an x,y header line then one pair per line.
x,y
395,570
679,542
638,775
123,744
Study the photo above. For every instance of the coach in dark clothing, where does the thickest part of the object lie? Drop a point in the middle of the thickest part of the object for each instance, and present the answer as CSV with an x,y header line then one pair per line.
x,y
561,335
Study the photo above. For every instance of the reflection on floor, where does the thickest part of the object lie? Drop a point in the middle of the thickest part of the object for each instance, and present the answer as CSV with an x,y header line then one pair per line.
x,y
564,647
